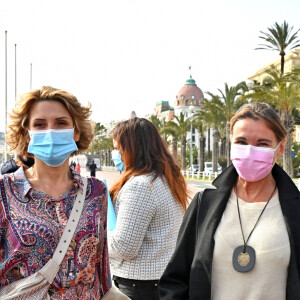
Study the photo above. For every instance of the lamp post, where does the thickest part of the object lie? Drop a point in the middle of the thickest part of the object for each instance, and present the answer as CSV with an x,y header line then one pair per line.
x,y
15,72
191,109
5,109
30,76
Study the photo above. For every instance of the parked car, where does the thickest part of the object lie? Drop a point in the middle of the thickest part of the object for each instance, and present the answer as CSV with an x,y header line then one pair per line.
x,y
208,168
194,168
298,173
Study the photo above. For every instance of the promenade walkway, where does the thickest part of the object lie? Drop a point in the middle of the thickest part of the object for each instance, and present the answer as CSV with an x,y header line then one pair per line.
x,y
194,186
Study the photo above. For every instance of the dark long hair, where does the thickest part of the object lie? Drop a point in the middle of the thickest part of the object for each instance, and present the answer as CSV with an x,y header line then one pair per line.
x,y
143,152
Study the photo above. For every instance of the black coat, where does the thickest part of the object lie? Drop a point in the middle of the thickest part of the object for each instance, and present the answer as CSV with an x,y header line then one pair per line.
x,y
188,274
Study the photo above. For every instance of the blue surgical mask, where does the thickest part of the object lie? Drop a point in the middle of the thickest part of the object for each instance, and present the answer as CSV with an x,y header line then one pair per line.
x,y
116,158
52,146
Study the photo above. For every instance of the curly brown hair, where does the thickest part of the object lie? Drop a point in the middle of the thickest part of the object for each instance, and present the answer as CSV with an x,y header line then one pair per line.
x,y
17,136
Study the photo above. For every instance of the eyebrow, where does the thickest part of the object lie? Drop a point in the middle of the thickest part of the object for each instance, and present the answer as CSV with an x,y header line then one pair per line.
x,y
59,118
264,140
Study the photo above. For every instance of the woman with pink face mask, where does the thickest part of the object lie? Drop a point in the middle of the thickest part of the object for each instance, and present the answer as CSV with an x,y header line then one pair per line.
x,y
241,240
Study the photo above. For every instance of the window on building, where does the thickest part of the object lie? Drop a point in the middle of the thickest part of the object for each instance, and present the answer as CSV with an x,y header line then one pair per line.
x,y
187,103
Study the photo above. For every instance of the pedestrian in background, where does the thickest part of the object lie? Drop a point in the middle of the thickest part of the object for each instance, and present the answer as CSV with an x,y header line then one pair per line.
x,y
77,168
149,199
93,168
14,164
35,203
241,240
73,165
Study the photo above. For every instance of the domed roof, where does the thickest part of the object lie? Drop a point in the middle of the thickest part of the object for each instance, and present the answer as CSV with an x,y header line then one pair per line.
x,y
189,94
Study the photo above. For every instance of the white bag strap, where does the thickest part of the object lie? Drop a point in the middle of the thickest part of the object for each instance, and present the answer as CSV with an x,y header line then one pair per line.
x,y
50,270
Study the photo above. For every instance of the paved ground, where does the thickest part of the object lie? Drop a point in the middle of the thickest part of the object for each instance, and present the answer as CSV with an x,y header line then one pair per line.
x,y
194,186
110,176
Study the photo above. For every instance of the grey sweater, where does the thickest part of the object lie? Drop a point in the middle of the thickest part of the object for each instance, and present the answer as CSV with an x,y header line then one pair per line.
x,y
148,221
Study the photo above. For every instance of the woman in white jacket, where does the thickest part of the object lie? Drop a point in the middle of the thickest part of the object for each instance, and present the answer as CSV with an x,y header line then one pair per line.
x,y
150,199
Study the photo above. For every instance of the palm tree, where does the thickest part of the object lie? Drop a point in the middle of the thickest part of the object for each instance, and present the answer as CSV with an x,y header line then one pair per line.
x,y
99,128
161,125
156,121
279,38
169,130
200,125
212,115
230,102
282,91
181,125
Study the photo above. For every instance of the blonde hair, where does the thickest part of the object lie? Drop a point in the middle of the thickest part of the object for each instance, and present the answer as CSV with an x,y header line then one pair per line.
x,y
17,137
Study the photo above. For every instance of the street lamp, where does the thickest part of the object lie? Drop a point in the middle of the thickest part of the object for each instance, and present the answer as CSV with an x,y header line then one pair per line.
x,y
191,109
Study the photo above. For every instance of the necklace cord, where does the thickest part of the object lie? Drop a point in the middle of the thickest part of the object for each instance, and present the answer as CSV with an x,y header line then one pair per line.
x,y
238,207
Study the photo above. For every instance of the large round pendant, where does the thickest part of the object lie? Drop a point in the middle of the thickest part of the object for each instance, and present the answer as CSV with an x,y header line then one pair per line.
x,y
243,261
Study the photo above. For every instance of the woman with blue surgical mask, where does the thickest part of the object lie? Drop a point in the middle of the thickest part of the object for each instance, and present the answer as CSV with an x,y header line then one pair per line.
x,y
149,200
241,239
50,125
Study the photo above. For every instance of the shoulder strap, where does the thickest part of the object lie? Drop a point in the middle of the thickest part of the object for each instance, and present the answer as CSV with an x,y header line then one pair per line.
x,y
50,270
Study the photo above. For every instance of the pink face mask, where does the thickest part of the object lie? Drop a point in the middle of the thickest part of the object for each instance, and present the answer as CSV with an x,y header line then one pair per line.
x,y
252,163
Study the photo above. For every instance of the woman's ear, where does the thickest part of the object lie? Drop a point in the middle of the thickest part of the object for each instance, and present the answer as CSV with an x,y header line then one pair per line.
x,y
27,138
280,149
76,135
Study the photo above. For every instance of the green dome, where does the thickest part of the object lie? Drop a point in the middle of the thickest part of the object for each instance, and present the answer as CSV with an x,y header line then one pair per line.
x,y
190,81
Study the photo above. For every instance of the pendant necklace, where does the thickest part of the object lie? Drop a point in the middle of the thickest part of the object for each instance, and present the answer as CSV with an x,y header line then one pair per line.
x,y
243,258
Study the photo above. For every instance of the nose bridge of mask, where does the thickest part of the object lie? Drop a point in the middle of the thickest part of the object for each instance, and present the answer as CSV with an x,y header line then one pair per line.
x,y
252,152
52,140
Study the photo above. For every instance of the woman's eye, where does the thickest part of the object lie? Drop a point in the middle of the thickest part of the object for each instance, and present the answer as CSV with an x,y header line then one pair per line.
x,y
240,142
37,125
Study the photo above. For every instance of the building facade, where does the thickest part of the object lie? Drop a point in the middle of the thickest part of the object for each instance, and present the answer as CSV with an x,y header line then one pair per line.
x,y
291,62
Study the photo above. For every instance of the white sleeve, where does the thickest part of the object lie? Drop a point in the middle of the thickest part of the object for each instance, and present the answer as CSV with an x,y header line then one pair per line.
x,y
136,209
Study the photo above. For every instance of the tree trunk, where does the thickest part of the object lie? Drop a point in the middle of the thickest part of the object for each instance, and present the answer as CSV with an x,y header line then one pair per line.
x,y
216,138
288,122
224,146
287,157
208,144
174,148
183,152
282,54
201,153
228,144
109,157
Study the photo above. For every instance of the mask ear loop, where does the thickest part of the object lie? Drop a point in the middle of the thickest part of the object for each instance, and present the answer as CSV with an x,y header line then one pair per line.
x,y
275,151
278,146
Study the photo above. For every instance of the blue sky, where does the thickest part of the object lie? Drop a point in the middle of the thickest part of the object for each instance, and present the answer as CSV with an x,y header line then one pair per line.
x,y
124,55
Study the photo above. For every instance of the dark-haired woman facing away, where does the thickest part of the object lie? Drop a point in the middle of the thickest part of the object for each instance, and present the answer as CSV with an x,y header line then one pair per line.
x,y
150,199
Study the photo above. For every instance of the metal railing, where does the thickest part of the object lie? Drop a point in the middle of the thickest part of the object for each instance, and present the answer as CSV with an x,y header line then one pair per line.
x,y
210,176
199,175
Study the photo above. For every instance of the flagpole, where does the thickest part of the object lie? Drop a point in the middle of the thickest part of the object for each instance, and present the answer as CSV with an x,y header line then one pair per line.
x,y
15,72
5,109
30,76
